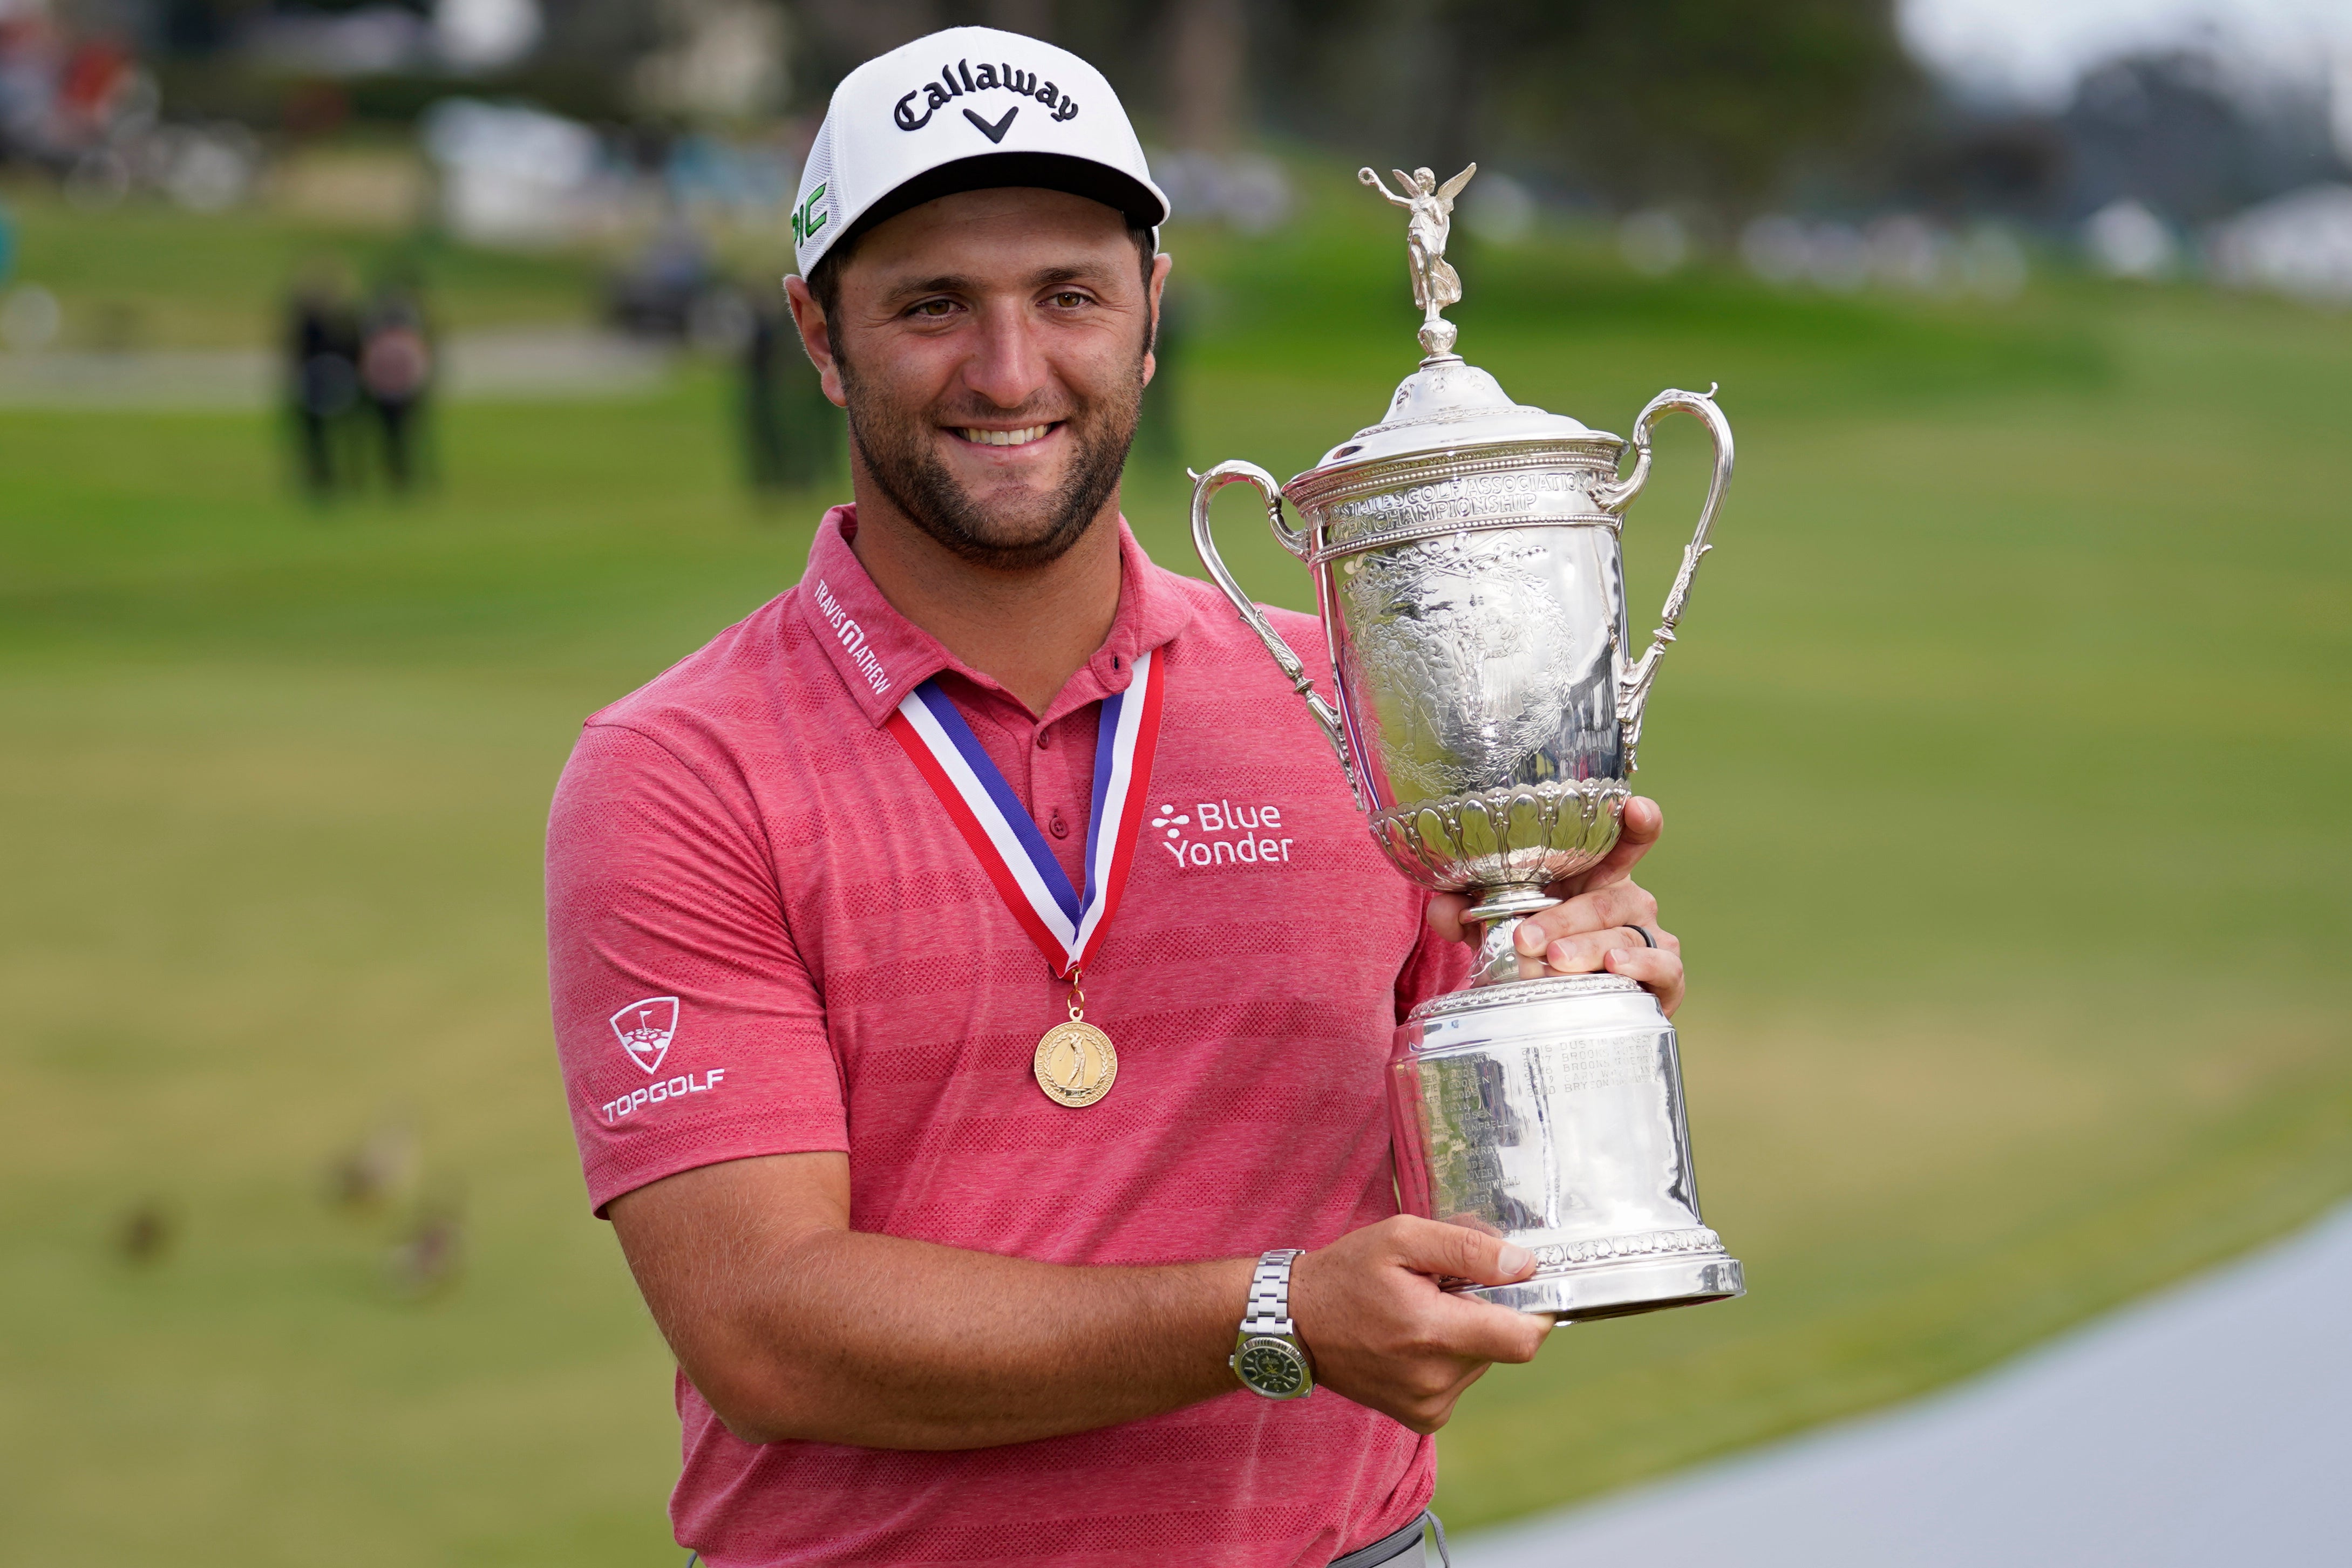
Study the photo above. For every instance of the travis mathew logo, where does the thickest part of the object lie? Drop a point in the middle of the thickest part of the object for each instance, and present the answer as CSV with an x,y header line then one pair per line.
x,y
963,78
1243,834
853,637
645,1028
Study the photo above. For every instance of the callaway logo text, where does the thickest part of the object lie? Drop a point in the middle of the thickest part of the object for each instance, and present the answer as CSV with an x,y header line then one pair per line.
x,y
962,77
1242,834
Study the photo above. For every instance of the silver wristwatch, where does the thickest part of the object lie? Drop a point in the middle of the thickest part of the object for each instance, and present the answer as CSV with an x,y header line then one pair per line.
x,y
1267,1356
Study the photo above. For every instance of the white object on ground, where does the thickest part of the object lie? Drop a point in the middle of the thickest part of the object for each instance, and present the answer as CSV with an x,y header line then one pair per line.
x,y
511,174
2299,243
2126,240
2210,1424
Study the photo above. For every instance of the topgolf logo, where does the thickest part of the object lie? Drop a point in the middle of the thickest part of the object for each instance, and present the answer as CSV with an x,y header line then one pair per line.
x,y
646,1028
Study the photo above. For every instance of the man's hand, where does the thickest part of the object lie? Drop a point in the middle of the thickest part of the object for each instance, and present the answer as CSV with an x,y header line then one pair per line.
x,y
1383,1333
1589,932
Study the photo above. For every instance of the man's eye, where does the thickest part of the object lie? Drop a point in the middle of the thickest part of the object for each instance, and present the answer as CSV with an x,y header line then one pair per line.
x,y
1070,300
933,308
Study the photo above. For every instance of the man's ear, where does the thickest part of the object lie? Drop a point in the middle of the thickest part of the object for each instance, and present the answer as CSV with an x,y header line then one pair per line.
x,y
816,336
1158,287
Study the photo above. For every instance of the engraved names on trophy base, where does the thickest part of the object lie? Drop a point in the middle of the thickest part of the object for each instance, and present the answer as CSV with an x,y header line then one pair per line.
x,y
1646,1244
1574,1066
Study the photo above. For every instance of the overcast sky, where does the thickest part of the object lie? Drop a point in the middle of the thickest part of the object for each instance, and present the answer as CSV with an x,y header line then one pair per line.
x,y
2033,49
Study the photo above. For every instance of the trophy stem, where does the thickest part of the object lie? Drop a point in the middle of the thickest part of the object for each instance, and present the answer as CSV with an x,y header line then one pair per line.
x,y
1518,898
1500,911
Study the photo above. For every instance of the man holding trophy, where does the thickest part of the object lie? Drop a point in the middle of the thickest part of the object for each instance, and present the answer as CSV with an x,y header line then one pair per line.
x,y
984,1015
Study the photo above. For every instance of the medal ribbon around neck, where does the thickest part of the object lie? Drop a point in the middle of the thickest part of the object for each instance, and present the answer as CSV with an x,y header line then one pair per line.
x,y
1066,922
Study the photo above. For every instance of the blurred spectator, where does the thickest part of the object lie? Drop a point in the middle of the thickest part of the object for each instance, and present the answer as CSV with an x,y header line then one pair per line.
x,y
95,77
395,368
69,103
322,346
655,296
792,431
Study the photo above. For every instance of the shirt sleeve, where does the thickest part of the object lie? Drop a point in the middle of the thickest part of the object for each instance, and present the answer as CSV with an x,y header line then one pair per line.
x,y
688,1029
1434,968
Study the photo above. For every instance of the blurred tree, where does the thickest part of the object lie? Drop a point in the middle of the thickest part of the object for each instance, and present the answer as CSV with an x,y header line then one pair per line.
x,y
2003,161
1206,56
1033,18
1723,103
2184,132
1716,101
840,35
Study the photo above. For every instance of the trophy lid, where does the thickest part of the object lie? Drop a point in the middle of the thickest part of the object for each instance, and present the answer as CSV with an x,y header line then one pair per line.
x,y
1446,406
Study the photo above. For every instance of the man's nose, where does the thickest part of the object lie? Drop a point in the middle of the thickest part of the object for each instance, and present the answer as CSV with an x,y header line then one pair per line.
x,y
1006,367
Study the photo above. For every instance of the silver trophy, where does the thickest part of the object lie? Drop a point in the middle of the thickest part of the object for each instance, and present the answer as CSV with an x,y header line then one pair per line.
x,y
1467,566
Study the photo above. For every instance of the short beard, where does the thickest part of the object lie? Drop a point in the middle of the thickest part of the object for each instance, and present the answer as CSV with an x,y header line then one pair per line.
x,y
899,456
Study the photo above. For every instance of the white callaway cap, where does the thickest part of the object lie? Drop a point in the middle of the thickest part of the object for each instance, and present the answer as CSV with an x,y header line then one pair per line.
x,y
967,110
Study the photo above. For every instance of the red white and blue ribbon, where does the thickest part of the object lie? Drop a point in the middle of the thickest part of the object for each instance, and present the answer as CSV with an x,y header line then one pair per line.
x,y
1066,922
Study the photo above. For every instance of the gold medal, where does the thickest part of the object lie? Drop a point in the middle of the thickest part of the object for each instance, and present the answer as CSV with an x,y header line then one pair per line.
x,y
1076,1064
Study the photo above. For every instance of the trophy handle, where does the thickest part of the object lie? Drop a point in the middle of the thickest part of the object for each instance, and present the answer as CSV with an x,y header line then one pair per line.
x,y
1633,680
1295,541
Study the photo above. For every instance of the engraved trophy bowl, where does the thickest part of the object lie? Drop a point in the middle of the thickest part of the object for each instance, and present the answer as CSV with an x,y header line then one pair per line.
x,y
1465,558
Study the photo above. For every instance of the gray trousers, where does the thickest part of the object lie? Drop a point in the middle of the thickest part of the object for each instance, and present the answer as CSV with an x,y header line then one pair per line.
x,y
1400,1548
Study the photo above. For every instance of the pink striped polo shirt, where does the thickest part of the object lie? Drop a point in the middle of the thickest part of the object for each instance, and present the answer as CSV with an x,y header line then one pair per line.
x,y
765,937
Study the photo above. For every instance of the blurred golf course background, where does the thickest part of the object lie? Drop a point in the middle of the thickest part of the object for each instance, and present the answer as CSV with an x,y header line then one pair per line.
x,y
2004,760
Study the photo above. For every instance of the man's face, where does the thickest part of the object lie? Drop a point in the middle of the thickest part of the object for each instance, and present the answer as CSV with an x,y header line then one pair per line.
x,y
991,349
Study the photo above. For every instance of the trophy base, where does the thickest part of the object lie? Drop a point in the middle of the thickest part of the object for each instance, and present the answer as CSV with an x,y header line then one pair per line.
x,y
1621,1290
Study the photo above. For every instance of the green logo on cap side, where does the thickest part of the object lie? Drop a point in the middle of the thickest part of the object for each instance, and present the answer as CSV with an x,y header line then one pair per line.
x,y
806,219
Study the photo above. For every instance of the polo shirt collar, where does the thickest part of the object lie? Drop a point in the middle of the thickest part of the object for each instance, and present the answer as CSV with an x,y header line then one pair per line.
x,y
881,655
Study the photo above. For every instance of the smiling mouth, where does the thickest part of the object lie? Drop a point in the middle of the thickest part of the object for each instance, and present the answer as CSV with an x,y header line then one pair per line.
x,y
1006,437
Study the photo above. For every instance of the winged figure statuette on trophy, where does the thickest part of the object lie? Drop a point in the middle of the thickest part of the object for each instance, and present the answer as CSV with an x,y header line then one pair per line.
x,y
1435,284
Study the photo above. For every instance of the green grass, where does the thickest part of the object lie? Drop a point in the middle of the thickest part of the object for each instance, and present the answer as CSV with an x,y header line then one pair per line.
x,y
144,276
2002,753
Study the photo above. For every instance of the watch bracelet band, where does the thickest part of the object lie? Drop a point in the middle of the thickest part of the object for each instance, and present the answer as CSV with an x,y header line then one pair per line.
x,y
1269,1297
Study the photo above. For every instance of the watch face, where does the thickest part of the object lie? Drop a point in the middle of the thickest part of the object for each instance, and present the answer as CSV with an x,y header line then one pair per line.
x,y
1271,1366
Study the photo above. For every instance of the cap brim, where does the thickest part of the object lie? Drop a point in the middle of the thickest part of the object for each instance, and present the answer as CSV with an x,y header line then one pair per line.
x,y
1139,203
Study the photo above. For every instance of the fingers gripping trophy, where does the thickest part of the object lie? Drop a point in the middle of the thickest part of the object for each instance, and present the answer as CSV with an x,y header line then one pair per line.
x,y
1468,568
